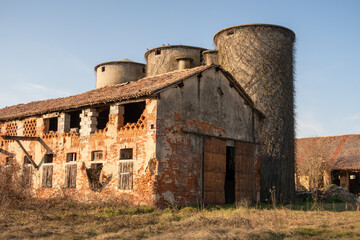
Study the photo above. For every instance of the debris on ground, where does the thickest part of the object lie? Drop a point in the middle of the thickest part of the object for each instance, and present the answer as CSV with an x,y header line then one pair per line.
x,y
328,193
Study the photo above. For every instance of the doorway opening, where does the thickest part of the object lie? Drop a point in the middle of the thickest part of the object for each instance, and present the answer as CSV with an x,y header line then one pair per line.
x,y
230,176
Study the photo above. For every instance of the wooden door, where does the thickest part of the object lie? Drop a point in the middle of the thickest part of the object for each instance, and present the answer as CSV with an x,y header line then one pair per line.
x,y
214,171
244,171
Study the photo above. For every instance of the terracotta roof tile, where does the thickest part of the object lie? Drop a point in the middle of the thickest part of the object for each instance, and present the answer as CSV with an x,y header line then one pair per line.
x,y
339,152
143,87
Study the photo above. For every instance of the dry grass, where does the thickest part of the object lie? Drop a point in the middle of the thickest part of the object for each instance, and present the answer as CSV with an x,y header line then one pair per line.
x,y
59,219
23,217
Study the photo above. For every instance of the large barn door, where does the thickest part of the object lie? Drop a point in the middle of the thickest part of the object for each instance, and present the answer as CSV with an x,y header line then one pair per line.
x,y
244,171
214,170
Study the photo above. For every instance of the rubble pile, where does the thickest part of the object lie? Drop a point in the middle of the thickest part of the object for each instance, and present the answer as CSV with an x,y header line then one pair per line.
x,y
328,193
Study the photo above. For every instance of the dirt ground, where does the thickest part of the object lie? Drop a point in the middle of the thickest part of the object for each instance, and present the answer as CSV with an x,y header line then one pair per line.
x,y
73,220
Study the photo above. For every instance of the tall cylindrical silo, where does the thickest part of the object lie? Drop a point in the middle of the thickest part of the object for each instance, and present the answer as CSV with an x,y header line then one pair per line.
x,y
169,58
116,72
260,57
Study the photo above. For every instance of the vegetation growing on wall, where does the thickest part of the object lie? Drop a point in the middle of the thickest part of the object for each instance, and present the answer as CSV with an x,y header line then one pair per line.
x,y
260,57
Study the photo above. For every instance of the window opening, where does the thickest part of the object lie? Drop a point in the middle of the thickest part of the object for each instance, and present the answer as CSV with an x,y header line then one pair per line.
x,y
201,57
93,173
53,124
71,157
126,175
133,111
27,160
230,33
158,52
103,117
103,68
9,160
48,158
75,119
354,182
96,155
230,176
335,177
126,153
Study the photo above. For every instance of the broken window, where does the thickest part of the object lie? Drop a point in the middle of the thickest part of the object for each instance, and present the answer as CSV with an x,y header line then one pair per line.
x,y
71,157
70,170
126,175
103,117
47,171
75,120
9,160
133,111
94,172
48,158
158,52
27,160
96,155
53,124
126,153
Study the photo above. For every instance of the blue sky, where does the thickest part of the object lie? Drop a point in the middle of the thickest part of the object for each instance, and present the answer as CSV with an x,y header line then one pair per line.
x,y
48,48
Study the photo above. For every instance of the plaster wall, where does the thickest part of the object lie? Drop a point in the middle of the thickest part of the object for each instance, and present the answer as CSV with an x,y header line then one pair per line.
x,y
203,106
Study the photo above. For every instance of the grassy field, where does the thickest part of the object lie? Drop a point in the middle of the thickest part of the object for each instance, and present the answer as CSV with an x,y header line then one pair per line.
x,y
58,219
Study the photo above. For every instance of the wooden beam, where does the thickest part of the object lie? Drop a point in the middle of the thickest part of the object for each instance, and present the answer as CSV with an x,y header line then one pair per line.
x,y
27,154
21,138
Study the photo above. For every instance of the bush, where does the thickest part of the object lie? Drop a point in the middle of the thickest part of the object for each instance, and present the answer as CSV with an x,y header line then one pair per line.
x,y
14,185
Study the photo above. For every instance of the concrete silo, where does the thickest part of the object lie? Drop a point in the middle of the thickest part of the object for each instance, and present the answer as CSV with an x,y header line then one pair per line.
x,y
173,57
210,57
111,73
260,57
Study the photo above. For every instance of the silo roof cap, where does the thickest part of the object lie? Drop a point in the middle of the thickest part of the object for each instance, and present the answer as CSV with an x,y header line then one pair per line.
x,y
210,51
255,25
171,46
125,60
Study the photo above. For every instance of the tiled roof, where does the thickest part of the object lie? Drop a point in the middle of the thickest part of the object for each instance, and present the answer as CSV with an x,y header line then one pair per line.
x,y
339,152
143,87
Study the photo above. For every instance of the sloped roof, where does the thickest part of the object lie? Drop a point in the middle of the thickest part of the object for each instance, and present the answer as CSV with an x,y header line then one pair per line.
x,y
339,152
135,89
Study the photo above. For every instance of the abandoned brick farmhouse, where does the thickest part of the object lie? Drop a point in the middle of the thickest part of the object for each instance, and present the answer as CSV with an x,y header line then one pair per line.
x,y
190,126
333,159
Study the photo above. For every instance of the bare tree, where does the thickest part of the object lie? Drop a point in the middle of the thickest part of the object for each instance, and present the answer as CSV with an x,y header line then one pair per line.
x,y
312,168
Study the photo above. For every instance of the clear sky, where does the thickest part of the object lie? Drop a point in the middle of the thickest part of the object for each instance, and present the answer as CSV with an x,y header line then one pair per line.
x,y
48,48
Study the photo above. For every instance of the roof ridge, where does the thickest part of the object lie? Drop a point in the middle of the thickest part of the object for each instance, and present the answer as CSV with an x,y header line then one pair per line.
x,y
340,135
178,71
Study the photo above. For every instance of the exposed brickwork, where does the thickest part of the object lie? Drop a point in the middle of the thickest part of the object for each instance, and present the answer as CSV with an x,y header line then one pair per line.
x,y
11,129
29,128
139,136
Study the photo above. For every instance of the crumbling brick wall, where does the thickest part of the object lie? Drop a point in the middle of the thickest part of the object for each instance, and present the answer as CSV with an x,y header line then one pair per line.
x,y
139,136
